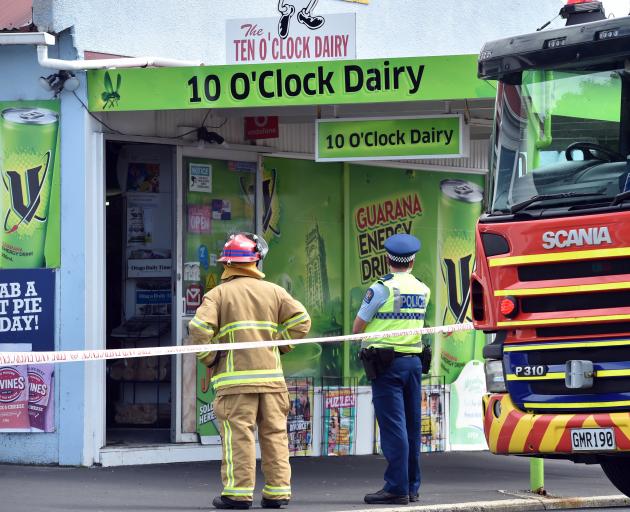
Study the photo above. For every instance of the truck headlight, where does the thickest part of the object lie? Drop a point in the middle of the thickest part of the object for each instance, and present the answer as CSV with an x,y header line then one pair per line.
x,y
495,381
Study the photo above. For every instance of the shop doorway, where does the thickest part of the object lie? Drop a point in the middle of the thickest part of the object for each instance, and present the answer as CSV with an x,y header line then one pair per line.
x,y
139,290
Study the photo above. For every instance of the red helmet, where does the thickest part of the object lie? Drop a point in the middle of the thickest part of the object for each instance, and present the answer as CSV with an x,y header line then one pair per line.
x,y
243,248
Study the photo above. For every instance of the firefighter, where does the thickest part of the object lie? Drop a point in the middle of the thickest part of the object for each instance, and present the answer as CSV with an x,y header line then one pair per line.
x,y
396,301
249,384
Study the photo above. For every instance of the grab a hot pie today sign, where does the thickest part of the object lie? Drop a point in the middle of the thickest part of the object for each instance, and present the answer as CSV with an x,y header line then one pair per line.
x,y
287,84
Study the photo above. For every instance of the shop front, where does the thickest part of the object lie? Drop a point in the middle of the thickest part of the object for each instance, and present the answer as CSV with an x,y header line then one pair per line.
x,y
325,160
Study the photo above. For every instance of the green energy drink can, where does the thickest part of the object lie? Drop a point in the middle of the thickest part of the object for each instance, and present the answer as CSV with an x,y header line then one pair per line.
x,y
28,139
458,210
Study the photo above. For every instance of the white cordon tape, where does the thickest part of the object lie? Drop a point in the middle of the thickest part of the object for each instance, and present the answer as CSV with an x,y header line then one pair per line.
x,y
70,356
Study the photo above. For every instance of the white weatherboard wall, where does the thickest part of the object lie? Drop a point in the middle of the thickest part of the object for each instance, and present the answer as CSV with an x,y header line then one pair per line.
x,y
195,29
19,80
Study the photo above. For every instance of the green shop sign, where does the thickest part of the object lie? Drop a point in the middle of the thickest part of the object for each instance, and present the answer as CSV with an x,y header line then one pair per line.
x,y
390,138
287,84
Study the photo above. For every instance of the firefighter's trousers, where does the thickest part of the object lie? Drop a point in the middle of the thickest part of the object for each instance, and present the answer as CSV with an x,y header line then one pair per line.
x,y
237,416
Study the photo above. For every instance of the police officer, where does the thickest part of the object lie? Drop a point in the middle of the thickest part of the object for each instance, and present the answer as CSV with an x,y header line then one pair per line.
x,y
249,384
396,301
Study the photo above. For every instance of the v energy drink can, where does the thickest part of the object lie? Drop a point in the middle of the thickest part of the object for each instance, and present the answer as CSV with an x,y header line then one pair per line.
x,y
458,210
28,139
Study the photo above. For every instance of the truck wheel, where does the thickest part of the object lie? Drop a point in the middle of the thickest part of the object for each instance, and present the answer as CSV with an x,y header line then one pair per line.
x,y
617,469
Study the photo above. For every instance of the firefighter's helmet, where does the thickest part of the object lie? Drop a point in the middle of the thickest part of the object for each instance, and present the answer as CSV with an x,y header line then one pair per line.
x,y
243,248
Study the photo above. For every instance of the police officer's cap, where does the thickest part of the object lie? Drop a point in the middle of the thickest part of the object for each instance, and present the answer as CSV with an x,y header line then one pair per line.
x,y
402,248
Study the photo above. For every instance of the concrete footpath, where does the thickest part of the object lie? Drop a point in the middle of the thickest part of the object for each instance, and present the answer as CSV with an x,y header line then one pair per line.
x,y
451,481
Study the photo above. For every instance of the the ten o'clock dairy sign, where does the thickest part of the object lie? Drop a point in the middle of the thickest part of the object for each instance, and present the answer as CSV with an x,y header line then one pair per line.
x,y
298,33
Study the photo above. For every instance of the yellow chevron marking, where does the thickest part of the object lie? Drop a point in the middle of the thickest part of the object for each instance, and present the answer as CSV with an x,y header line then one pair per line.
x,y
554,432
579,288
558,256
519,436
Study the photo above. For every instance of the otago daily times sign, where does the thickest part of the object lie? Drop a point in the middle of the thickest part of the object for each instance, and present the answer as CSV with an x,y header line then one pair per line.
x,y
289,84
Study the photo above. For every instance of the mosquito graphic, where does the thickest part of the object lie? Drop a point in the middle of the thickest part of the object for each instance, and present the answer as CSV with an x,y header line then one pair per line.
x,y
111,96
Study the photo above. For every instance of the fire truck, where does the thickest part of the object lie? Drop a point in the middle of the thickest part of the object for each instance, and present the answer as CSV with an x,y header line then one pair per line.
x,y
552,276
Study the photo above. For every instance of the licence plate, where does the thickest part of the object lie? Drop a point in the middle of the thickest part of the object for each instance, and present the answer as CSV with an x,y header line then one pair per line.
x,y
592,439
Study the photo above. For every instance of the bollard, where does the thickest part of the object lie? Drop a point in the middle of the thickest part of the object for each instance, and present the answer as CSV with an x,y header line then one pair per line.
x,y
537,475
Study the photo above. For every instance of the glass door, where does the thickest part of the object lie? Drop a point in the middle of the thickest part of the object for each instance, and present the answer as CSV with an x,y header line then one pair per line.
x,y
217,198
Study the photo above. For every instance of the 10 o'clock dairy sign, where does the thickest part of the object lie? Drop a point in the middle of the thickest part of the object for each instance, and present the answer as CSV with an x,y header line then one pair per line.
x,y
293,36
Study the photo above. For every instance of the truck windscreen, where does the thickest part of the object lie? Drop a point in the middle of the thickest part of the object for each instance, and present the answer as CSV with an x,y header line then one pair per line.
x,y
556,142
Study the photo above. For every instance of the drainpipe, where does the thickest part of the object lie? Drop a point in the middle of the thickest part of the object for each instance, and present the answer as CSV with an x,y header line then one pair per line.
x,y
42,40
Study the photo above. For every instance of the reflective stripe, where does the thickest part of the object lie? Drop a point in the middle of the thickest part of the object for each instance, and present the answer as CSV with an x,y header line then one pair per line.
x,y
400,316
229,465
247,377
397,300
247,324
577,344
549,376
292,322
556,290
229,365
558,256
575,405
237,491
204,326
276,491
580,320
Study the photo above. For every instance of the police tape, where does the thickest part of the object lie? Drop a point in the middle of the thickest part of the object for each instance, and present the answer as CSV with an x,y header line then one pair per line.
x,y
71,356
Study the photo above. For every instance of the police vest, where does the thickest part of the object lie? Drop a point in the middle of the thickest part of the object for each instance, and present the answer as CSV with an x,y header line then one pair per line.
x,y
404,308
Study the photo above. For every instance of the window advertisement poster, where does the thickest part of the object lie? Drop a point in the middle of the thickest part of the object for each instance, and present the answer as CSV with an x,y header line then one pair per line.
x,y
207,424
30,185
434,417
466,425
339,420
27,310
303,225
213,209
440,209
300,420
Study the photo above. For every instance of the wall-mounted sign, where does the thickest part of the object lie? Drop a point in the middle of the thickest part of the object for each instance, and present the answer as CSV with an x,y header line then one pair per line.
x,y
149,268
293,36
29,190
27,322
27,307
199,177
261,127
291,84
390,138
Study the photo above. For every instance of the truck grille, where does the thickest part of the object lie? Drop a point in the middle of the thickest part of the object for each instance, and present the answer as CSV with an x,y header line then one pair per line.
x,y
574,269
583,330
575,302
605,389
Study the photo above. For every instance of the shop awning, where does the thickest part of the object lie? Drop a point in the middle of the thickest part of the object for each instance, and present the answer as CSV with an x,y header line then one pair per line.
x,y
449,77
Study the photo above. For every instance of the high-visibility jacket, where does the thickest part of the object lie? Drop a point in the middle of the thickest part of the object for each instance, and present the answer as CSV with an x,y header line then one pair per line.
x,y
245,308
404,308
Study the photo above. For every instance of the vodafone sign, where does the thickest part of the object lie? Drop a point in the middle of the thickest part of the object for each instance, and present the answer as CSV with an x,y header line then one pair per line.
x,y
261,127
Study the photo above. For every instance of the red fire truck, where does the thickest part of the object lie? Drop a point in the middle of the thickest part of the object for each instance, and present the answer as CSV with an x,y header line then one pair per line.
x,y
552,277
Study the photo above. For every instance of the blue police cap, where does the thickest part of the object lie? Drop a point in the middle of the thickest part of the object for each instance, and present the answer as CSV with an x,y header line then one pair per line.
x,y
402,248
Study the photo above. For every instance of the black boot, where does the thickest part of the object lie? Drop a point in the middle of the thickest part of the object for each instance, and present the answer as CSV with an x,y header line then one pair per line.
x,y
312,22
283,24
414,497
269,503
223,502
383,497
